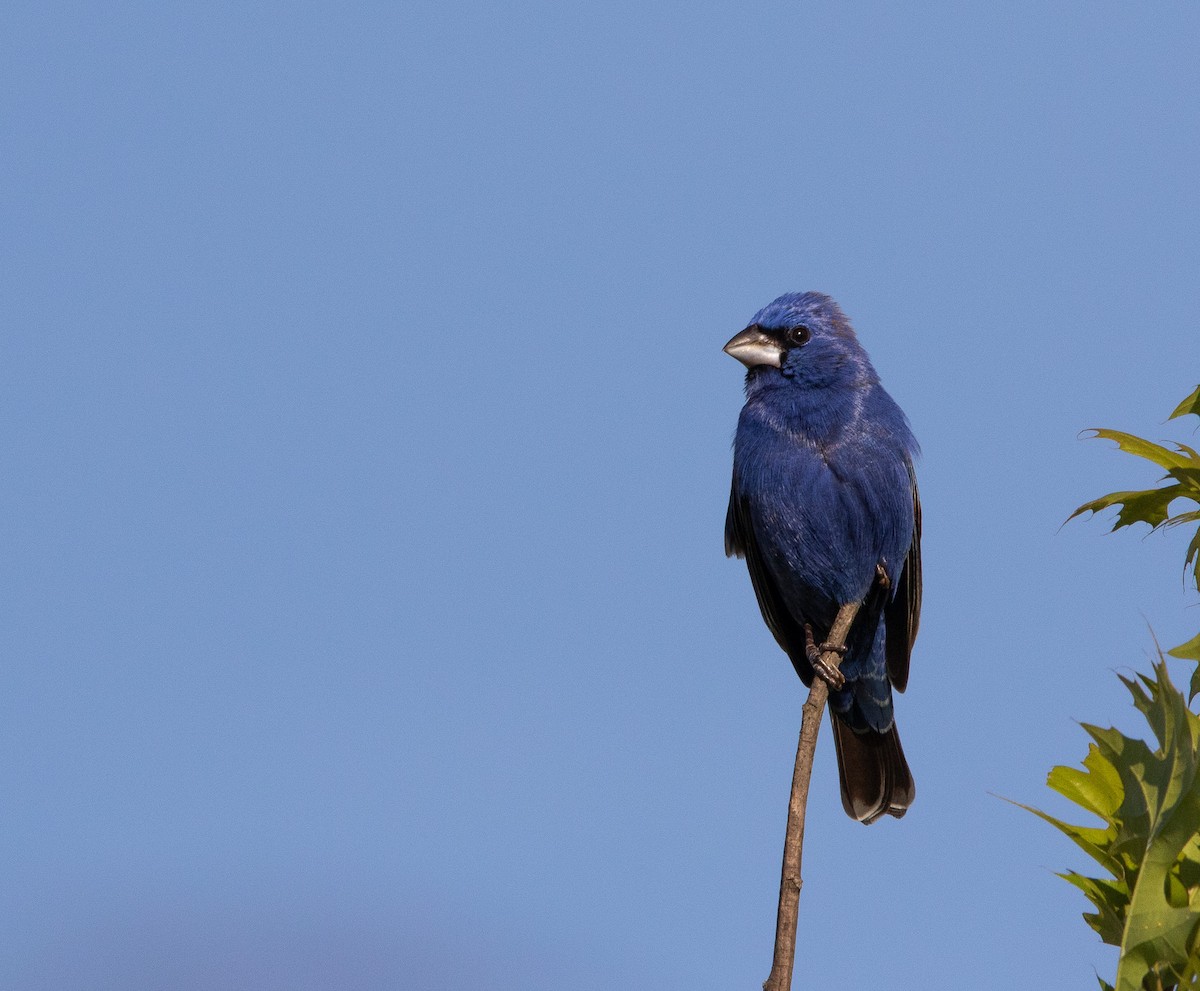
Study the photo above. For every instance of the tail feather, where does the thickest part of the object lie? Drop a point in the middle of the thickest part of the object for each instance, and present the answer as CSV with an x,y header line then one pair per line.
x,y
874,775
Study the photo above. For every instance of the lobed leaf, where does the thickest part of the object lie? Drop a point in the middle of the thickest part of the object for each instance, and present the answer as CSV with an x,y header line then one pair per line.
x,y
1189,405
1137,505
1111,899
1193,553
1146,795
1097,788
1093,842
1164,457
1193,516
1189,475
1190,651
1149,800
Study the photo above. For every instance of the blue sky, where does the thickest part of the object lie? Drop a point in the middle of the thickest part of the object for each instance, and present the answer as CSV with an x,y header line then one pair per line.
x,y
366,620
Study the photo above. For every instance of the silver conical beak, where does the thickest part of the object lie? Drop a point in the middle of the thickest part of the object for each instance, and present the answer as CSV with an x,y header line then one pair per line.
x,y
754,346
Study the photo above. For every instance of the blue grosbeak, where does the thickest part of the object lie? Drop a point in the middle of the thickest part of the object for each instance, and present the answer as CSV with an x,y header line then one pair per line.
x,y
824,509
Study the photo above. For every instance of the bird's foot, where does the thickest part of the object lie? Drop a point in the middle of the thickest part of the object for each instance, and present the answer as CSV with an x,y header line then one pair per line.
x,y
829,673
826,671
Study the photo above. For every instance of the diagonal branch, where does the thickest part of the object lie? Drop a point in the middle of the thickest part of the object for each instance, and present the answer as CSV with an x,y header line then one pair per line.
x,y
790,883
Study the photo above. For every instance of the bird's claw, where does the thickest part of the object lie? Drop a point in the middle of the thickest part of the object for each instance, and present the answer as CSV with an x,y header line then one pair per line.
x,y
829,674
826,671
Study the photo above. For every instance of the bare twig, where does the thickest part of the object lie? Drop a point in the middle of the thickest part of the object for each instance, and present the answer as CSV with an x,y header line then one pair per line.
x,y
793,847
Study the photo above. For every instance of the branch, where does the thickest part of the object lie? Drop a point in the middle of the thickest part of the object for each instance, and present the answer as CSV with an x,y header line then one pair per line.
x,y
790,883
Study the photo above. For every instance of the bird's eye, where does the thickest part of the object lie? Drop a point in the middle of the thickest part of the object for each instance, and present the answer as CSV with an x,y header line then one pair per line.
x,y
797,336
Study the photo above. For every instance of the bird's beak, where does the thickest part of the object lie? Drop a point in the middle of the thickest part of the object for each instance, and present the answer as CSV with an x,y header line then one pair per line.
x,y
754,346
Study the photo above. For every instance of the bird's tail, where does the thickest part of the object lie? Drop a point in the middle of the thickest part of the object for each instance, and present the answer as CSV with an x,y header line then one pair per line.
x,y
874,775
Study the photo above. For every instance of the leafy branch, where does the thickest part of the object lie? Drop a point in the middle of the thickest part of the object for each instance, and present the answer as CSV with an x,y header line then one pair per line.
x,y
1149,801
1148,901
1152,506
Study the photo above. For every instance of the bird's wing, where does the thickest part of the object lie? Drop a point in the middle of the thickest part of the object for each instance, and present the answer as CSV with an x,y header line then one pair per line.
x,y
902,615
735,542
740,541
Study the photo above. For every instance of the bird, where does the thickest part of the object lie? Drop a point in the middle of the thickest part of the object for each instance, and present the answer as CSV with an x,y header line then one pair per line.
x,y
825,511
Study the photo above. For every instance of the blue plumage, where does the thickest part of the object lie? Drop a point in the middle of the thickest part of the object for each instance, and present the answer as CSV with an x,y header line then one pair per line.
x,y
824,508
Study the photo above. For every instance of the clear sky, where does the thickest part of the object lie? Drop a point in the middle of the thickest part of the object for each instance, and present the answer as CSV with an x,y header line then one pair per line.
x,y
366,448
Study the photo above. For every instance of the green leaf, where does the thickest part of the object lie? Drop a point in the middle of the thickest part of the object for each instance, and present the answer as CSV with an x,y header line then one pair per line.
x,y
1166,790
1189,405
1093,842
1193,553
1189,451
1148,797
1190,651
1189,475
1137,506
1190,517
1189,980
1153,506
1162,456
1097,788
1111,900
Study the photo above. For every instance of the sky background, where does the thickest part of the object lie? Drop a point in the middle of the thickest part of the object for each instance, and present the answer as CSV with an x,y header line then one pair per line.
x,y
366,449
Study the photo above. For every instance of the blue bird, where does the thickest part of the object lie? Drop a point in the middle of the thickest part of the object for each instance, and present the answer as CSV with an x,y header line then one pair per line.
x,y
824,508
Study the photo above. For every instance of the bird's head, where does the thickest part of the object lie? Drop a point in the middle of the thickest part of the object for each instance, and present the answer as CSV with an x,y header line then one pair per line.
x,y
803,337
